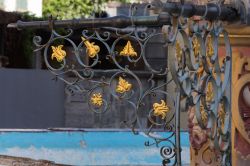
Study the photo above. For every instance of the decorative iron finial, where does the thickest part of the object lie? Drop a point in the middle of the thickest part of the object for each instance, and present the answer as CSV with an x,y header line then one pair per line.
x,y
161,109
210,49
92,49
222,114
123,86
96,99
178,51
196,47
209,93
200,70
203,114
128,50
58,53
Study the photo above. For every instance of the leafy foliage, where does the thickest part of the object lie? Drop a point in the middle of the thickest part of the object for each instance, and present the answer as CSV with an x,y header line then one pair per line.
x,y
68,9
26,38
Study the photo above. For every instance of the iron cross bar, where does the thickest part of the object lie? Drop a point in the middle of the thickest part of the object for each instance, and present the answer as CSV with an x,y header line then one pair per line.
x,y
209,11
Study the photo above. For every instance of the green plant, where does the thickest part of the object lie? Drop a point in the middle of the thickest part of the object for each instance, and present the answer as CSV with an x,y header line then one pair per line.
x,y
26,37
68,9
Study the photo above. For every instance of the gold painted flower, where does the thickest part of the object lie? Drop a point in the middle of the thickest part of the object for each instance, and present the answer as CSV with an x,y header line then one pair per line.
x,y
222,114
209,92
210,49
96,99
203,114
91,49
200,71
178,51
128,50
196,46
58,53
161,109
196,49
123,86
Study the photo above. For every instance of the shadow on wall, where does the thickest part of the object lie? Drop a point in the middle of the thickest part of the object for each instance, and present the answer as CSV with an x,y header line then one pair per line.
x,y
30,99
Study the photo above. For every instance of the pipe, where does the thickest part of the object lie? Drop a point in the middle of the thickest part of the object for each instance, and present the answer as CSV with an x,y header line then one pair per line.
x,y
209,11
117,22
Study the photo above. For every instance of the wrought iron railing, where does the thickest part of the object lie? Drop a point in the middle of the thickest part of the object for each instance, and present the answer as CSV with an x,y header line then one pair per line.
x,y
201,76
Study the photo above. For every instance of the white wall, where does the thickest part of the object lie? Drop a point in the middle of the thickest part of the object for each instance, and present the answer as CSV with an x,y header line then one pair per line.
x,y
10,5
33,6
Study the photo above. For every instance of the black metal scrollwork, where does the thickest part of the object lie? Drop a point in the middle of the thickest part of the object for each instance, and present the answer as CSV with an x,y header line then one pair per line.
x,y
194,66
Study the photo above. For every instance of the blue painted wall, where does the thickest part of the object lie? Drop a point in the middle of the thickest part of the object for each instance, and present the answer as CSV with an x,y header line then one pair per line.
x,y
86,148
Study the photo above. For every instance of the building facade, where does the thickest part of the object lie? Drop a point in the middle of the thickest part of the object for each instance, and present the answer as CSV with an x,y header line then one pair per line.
x,y
31,6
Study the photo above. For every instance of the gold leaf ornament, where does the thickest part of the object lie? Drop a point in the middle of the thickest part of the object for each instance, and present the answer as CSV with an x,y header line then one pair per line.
x,y
209,92
58,53
222,114
123,86
210,49
196,49
161,109
96,99
209,52
203,114
196,46
200,70
128,50
178,51
91,49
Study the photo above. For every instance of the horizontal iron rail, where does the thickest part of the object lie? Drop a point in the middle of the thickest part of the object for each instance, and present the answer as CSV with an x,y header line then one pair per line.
x,y
209,11
117,22
110,72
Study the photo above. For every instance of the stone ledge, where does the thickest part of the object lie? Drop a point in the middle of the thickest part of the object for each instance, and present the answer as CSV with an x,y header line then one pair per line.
x,y
21,161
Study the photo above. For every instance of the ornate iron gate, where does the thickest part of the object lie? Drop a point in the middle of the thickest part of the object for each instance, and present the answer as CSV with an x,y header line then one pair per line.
x,y
202,75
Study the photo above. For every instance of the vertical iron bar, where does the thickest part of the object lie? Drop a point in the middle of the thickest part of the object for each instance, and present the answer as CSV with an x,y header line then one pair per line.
x,y
37,60
230,95
177,128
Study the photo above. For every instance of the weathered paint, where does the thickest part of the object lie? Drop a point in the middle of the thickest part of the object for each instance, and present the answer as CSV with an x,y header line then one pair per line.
x,y
86,148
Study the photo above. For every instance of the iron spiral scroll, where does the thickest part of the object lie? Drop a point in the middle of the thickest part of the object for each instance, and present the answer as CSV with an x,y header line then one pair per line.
x,y
202,77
